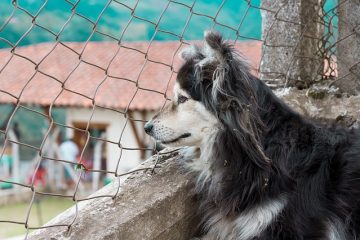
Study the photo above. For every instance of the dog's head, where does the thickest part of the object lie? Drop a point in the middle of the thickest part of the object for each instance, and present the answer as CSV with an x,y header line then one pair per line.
x,y
214,92
185,121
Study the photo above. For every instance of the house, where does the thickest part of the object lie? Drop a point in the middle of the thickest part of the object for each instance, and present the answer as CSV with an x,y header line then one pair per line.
x,y
107,90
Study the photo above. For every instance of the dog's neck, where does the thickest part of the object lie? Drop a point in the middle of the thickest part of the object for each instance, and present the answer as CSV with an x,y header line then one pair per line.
x,y
271,107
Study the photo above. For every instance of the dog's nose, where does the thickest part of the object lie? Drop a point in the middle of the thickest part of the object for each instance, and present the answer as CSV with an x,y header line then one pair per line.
x,y
148,127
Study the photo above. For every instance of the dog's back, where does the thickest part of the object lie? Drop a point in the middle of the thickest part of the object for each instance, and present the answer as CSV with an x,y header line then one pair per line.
x,y
324,165
311,192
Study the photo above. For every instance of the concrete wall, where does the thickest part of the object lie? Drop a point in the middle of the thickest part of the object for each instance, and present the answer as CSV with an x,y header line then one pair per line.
x,y
349,46
323,104
291,34
149,206
294,44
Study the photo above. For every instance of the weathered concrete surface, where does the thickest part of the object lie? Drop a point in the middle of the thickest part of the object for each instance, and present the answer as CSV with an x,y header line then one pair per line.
x,y
150,206
326,105
292,35
348,48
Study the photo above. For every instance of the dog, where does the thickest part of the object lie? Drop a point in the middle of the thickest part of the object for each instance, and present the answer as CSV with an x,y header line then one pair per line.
x,y
263,171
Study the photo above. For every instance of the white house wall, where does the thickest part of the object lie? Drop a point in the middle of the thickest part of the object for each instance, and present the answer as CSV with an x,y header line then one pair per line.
x,y
116,124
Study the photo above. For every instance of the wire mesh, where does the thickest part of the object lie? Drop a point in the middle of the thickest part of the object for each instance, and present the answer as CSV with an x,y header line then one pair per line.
x,y
307,42
277,17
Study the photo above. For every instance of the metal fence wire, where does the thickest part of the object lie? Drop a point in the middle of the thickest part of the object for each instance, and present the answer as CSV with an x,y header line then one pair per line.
x,y
302,43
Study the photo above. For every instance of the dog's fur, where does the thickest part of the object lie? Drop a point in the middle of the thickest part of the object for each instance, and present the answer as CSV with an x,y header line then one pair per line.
x,y
264,171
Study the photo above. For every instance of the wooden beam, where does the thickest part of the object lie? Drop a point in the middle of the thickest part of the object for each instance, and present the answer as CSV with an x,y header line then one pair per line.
x,y
138,139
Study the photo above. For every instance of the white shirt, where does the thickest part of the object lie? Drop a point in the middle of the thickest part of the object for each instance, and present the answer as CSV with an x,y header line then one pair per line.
x,y
69,150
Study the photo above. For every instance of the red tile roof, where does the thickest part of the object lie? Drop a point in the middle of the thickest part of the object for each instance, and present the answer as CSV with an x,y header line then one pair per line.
x,y
64,74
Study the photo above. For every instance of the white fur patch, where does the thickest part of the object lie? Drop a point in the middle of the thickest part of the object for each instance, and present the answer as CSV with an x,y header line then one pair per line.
x,y
177,91
336,230
249,224
188,52
208,51
205,61
200,164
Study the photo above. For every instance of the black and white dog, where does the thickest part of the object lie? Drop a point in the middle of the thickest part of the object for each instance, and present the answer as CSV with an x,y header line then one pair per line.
x,y
264,171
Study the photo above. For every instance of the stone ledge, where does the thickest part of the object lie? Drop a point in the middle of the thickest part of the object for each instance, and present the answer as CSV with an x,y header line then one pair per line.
x,y
149,206
343,110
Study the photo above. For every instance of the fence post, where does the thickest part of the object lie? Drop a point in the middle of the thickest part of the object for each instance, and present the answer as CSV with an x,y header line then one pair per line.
x,y
292,34
348,48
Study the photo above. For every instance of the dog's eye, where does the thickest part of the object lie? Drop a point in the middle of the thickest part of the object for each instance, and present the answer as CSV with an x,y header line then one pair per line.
x,y
182,99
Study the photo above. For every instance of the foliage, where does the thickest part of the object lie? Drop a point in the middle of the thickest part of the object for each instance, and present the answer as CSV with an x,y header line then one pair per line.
x,y
55,13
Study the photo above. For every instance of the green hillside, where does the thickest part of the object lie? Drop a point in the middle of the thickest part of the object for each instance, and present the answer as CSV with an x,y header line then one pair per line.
x,y
58,13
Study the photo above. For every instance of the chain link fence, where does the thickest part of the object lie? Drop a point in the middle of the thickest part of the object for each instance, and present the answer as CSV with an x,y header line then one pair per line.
x,y
311,42
105,76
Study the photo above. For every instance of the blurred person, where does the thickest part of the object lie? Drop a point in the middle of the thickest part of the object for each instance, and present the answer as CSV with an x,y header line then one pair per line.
x,y
40,176
69,151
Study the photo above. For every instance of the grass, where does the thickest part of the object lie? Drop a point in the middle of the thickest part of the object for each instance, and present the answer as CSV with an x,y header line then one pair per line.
x,y
41,212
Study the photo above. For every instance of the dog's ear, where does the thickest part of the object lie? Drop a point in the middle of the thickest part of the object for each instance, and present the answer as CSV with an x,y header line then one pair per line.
x,y
216,47
190,52
219,54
